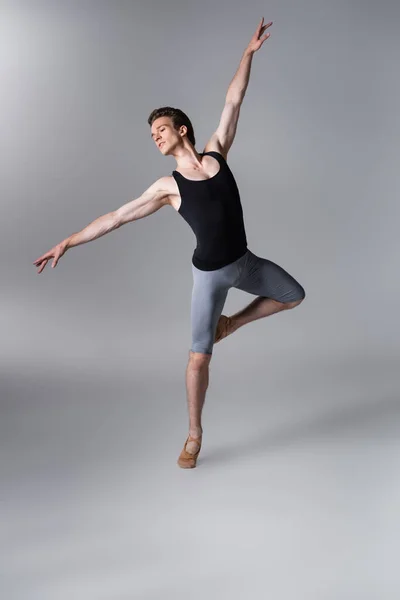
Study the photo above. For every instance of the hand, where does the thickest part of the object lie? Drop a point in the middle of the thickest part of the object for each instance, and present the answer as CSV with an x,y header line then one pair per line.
x,y
55,253
256,43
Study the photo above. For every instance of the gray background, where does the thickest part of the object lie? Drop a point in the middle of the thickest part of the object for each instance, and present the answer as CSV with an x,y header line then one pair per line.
x,y
296,493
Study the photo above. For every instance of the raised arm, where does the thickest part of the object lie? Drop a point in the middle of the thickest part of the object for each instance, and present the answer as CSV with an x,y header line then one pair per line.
x,y
149,202
222,139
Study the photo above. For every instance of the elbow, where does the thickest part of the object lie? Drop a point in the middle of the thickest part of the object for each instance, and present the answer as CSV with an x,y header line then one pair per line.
x,y
234,98
121,217
116,219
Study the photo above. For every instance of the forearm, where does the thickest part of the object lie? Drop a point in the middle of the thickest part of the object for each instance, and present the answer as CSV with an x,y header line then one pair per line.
x,y
94,230
237,87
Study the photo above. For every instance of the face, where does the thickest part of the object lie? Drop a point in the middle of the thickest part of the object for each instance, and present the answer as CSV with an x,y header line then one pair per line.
x,y
164,135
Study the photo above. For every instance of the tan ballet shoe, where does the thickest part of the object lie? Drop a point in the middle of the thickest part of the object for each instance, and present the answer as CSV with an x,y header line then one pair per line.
x,y
187,460
223,327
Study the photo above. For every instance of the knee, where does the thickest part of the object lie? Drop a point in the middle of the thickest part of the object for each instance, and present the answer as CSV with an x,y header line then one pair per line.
x,y
199,360
295,302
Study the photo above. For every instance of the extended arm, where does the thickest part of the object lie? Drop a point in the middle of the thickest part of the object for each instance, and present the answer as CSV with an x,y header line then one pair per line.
x,y
222,138
149,202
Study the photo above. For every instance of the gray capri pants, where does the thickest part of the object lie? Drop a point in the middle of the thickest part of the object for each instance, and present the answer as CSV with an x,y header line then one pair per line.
x,y
250,273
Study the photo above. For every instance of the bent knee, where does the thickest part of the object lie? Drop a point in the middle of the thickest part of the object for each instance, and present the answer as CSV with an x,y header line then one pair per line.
x,y
295,302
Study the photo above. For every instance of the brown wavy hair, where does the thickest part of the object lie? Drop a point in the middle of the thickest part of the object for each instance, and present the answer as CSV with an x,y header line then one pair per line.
x,y
178,118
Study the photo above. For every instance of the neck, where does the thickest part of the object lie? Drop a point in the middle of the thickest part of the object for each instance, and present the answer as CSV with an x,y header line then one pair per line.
x,y
188,158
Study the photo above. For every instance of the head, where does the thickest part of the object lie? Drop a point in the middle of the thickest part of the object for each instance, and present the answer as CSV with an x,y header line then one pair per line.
x,y
171,128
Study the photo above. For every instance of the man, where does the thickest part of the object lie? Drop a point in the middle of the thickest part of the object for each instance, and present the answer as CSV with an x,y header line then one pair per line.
x,y
204,192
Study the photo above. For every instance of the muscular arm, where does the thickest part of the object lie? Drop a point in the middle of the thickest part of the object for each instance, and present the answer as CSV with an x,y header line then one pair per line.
x,y
148,203
151,200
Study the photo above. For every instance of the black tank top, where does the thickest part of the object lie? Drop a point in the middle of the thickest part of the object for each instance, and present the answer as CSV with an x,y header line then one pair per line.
x,y
213,210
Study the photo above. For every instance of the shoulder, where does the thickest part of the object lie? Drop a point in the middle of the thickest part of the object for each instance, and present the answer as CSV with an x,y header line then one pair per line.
x,y
163,184
159,190
167,186
214,145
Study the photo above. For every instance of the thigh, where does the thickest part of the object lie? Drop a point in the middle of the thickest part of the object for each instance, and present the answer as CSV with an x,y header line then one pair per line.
x,y
208,298
262,277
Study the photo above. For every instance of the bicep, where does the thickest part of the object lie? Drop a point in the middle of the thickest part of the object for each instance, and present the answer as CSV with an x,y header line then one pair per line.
x,y
148,203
